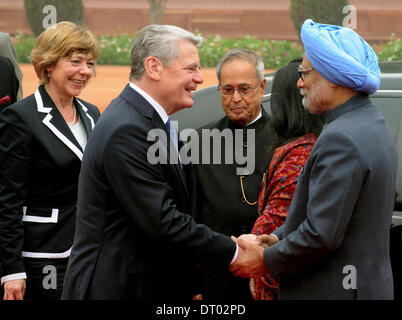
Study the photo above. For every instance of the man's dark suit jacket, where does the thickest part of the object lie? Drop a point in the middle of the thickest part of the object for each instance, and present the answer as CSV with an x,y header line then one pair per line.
x,y
9,83
40,161
335,241
135,236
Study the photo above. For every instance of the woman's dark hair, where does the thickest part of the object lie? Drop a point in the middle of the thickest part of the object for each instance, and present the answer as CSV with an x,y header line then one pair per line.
x,y
289,118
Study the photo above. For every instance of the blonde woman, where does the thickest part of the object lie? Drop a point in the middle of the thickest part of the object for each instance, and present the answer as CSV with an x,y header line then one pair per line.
x,y
42,139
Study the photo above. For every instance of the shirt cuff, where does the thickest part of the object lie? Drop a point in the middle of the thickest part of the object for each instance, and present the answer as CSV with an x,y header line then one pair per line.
x,y
235,255
272,234
13,276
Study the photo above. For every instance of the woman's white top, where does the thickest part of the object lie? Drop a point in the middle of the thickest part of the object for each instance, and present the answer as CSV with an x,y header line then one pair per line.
x,y
79,133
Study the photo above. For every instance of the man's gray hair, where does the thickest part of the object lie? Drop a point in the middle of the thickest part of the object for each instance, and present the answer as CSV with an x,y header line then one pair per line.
x,y
160,41
242,54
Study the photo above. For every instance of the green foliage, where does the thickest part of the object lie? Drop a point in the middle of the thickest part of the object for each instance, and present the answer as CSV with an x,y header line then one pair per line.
x,y
275,53
23,47
116,50
391,51
71,10
322,11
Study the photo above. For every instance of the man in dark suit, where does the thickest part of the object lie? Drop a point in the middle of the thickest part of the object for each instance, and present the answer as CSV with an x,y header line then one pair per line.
x,y
135,235
7,50
8,83
335,241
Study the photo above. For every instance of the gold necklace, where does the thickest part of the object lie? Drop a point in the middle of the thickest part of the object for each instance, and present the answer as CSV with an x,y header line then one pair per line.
x,y
75,115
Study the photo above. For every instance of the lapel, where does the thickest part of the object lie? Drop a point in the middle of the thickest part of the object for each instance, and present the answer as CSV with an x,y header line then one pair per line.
x,y
56,124
138,102
85,117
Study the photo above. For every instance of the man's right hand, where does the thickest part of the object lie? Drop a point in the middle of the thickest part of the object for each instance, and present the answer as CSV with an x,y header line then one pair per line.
x,y
14,289
250,260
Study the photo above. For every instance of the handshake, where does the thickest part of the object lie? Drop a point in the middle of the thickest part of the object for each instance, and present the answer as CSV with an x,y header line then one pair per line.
x,y
250,259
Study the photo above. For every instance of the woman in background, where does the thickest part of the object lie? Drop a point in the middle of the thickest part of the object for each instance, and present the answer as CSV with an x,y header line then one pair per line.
x,y
295,132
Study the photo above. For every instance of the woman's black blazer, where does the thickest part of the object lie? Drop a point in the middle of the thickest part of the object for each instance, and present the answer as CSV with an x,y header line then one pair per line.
x,y
40,161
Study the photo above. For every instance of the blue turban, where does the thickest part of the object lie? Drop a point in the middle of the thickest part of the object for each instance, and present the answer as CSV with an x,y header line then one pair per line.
x,y
341,56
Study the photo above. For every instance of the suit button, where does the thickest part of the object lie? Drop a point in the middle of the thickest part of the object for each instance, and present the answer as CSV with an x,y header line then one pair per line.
x,y
243,229
243,200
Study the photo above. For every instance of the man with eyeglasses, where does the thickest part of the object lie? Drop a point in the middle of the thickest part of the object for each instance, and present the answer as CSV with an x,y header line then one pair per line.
x,y
228,190
335,241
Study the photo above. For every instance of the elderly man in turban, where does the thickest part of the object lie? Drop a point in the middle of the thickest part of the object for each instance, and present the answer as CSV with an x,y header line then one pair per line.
x,y
335,242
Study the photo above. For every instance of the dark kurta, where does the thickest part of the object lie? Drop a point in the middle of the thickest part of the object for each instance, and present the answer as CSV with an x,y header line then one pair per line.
x,y
221,204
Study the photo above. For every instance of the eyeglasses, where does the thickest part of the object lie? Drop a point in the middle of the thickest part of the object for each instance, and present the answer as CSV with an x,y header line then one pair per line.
x,y
303,72
243,90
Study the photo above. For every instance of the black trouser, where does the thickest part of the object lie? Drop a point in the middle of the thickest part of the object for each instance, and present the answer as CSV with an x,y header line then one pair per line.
x,y
226,287
44,278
